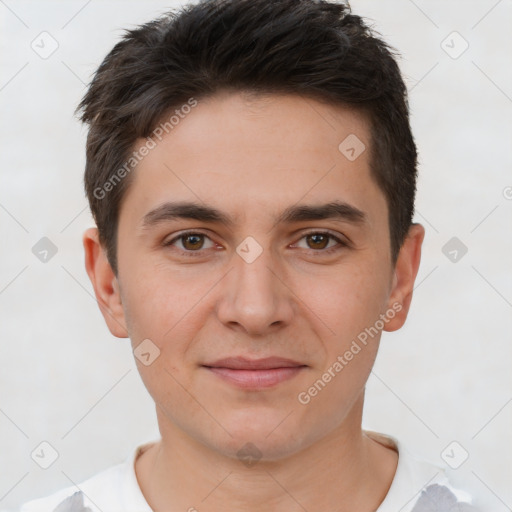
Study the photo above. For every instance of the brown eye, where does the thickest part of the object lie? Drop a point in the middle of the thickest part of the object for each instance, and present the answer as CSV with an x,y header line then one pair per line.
x,y
321,242
193,242
318,240
190,242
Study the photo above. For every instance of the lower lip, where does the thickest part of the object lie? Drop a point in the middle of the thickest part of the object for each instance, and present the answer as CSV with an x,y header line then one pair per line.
x,y
254,379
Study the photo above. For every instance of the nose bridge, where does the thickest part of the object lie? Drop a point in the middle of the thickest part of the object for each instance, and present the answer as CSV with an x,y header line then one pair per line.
x,y
253,296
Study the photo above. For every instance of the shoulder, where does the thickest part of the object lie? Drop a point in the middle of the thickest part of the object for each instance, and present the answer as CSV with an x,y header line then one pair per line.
x,y
104,486
421,485
114,489
443,497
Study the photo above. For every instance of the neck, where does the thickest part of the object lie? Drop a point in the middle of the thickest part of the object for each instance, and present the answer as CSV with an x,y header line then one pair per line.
x,y
345,470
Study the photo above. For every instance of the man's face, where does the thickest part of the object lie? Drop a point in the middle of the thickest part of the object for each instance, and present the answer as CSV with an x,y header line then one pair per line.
x,y
262,286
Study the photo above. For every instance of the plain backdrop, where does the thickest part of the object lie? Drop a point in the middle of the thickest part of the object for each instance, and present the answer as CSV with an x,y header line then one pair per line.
x,y
445,377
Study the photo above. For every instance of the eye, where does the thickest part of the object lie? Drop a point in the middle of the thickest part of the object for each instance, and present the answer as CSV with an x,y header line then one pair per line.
x,y
190,241
319,241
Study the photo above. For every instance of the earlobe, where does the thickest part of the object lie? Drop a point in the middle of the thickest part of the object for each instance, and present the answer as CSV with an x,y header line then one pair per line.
x,y
105,284
406,270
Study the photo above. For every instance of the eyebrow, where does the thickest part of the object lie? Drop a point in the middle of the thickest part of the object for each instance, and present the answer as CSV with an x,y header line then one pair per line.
x,y
335,210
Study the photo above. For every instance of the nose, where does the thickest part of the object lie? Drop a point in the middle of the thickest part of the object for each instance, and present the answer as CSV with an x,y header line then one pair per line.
x,y
254,297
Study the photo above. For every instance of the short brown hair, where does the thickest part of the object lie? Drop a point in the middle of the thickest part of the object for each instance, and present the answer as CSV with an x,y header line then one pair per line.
x,y
313,48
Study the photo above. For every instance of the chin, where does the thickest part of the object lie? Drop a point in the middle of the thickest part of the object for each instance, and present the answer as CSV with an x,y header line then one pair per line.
x,y
268,439
248,449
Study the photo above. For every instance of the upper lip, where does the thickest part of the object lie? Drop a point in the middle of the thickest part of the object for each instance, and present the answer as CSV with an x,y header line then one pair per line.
x,y
243,363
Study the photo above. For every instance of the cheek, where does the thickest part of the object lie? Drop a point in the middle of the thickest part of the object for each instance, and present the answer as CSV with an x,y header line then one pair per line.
x,y
349,308
161,310
159,303
347,301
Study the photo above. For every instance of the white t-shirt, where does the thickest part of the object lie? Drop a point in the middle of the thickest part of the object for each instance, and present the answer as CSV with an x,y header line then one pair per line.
x,y
418,486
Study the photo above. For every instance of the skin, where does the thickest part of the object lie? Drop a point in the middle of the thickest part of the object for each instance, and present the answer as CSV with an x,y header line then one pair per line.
x,y
251,158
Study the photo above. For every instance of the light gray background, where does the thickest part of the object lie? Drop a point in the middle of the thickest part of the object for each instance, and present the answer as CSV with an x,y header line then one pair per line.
x,y
445,376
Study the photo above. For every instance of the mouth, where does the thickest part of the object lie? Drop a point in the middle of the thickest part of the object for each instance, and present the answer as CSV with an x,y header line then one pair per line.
x,y
255,373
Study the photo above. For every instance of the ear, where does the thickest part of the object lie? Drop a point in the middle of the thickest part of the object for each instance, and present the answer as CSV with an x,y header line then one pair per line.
x,y
406,269
104,281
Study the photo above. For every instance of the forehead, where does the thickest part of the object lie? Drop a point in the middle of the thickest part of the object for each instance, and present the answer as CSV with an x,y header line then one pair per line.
x,y
246,154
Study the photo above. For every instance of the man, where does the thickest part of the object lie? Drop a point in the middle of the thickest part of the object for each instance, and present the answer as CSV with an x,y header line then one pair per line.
x,y
252,173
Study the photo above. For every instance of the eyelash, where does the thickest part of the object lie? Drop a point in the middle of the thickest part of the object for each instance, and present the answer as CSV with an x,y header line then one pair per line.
x,y
341,244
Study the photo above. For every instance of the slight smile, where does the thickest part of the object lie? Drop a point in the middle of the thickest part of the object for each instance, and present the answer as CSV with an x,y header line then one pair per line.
x,y
255,373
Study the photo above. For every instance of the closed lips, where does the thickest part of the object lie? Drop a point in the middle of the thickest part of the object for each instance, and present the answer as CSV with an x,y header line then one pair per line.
x,y
241,363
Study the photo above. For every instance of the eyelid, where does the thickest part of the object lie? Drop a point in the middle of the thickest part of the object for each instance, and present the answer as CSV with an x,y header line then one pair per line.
x,y
322,231
341,240
183,234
